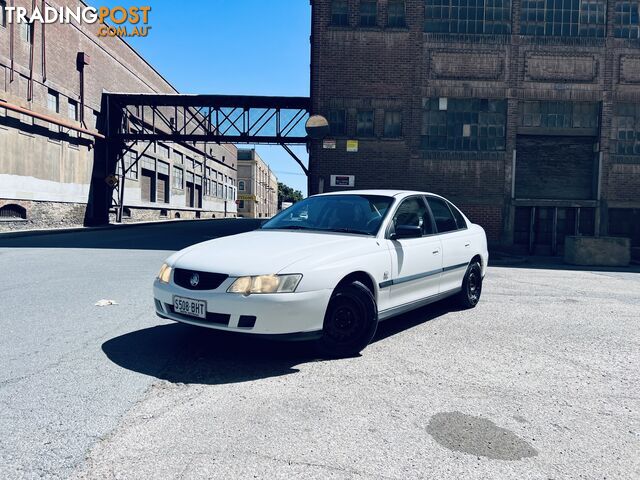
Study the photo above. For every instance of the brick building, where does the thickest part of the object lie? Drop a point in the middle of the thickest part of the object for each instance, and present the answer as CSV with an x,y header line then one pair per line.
x,y
525,113
48,172
257,186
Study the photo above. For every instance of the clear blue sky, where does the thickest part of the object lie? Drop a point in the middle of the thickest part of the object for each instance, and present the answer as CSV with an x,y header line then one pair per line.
x,y
244,47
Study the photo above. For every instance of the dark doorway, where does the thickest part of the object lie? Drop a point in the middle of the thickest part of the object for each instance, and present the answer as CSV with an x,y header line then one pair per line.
x,y
162,190
542,230
189,191
198,195
148,185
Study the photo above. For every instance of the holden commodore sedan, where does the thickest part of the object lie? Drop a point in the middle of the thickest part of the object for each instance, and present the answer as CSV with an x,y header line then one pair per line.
x,y
329,268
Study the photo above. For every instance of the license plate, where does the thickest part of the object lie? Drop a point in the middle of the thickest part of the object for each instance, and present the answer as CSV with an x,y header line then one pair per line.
x,y
190,307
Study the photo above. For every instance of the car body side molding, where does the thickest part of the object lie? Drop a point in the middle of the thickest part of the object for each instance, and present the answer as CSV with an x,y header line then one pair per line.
x,y
419,276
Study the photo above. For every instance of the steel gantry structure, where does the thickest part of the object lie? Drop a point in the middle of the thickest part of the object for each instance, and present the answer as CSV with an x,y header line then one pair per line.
x,y
194,121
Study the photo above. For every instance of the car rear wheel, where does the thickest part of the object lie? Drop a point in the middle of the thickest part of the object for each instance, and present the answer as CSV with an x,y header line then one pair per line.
x,y
469,296
350,322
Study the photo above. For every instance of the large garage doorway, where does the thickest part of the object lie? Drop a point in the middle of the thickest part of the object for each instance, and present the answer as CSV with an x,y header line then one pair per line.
x,y
556,172
555,189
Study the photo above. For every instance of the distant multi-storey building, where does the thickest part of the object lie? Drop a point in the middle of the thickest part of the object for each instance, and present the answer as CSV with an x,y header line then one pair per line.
x,y
525,113
257,186
53,79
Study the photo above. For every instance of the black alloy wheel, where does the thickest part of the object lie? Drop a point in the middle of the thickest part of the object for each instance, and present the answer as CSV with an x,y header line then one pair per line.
x,y
350,322
471,291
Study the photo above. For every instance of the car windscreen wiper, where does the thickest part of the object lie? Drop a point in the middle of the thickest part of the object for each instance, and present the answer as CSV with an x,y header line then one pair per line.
x,y
292,227
348,230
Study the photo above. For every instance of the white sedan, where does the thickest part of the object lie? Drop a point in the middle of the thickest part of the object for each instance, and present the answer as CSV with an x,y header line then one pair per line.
x,y
329,268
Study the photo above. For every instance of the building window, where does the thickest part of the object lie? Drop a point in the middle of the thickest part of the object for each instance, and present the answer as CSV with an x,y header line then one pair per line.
x,y
337,122
340,13
364,124
392,124
178,178
73,110
26,32
190,163
546,114
178,158
53,101
464,124
396,16
626,129
241,185
162,150
468,16
3,13
574,18
627,20
368,13
241,204
130,166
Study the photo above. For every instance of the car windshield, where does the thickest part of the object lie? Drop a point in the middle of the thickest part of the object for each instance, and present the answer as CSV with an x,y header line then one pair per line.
x,y
358,214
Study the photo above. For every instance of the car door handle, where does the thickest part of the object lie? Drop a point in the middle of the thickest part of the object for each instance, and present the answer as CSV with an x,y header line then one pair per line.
x,y
436,252
467,245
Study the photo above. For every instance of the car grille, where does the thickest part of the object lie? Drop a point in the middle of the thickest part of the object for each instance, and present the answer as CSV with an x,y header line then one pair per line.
x,y
207,280
217,318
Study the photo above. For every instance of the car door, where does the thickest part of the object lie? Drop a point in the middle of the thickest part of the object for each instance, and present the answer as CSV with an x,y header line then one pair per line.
x,y
456,244
416,263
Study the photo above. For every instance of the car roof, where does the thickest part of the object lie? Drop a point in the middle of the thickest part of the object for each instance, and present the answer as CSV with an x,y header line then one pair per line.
x,y
380,192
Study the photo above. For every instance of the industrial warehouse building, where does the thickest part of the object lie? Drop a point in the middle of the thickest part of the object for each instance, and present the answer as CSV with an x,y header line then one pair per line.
x,y
52,83
257,186
525,113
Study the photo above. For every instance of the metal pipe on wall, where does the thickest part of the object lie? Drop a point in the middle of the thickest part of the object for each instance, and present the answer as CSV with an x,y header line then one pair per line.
x,y
44,48
11,45
32,32
50,119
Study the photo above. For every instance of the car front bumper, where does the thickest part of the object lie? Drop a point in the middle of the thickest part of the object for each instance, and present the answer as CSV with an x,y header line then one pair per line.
x,y
277,314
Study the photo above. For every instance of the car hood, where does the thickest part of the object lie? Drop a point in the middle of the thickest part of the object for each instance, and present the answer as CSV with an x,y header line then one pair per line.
x,y
263,252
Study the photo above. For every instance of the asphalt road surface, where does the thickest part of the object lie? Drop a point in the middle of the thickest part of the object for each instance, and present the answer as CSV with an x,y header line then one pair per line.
x,y
540,381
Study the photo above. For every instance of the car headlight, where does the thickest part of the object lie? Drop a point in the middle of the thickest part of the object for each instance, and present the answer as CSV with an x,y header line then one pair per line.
x,y
165,273
265,284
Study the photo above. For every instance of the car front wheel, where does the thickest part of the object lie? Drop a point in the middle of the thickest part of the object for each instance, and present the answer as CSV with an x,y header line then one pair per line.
x,y
350,322
469,296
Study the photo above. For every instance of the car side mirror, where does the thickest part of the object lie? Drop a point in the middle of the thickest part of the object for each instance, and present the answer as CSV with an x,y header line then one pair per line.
x,y
407,231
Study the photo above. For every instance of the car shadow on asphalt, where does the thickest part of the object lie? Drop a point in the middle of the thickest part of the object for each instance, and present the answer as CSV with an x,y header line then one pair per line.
x,y
181,353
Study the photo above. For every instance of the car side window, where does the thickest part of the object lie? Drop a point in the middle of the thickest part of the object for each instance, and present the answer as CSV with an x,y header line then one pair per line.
x,y
462,224
445,222
413,212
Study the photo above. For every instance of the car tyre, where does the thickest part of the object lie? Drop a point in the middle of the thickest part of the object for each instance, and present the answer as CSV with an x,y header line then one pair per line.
x,y
350,322
471,291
